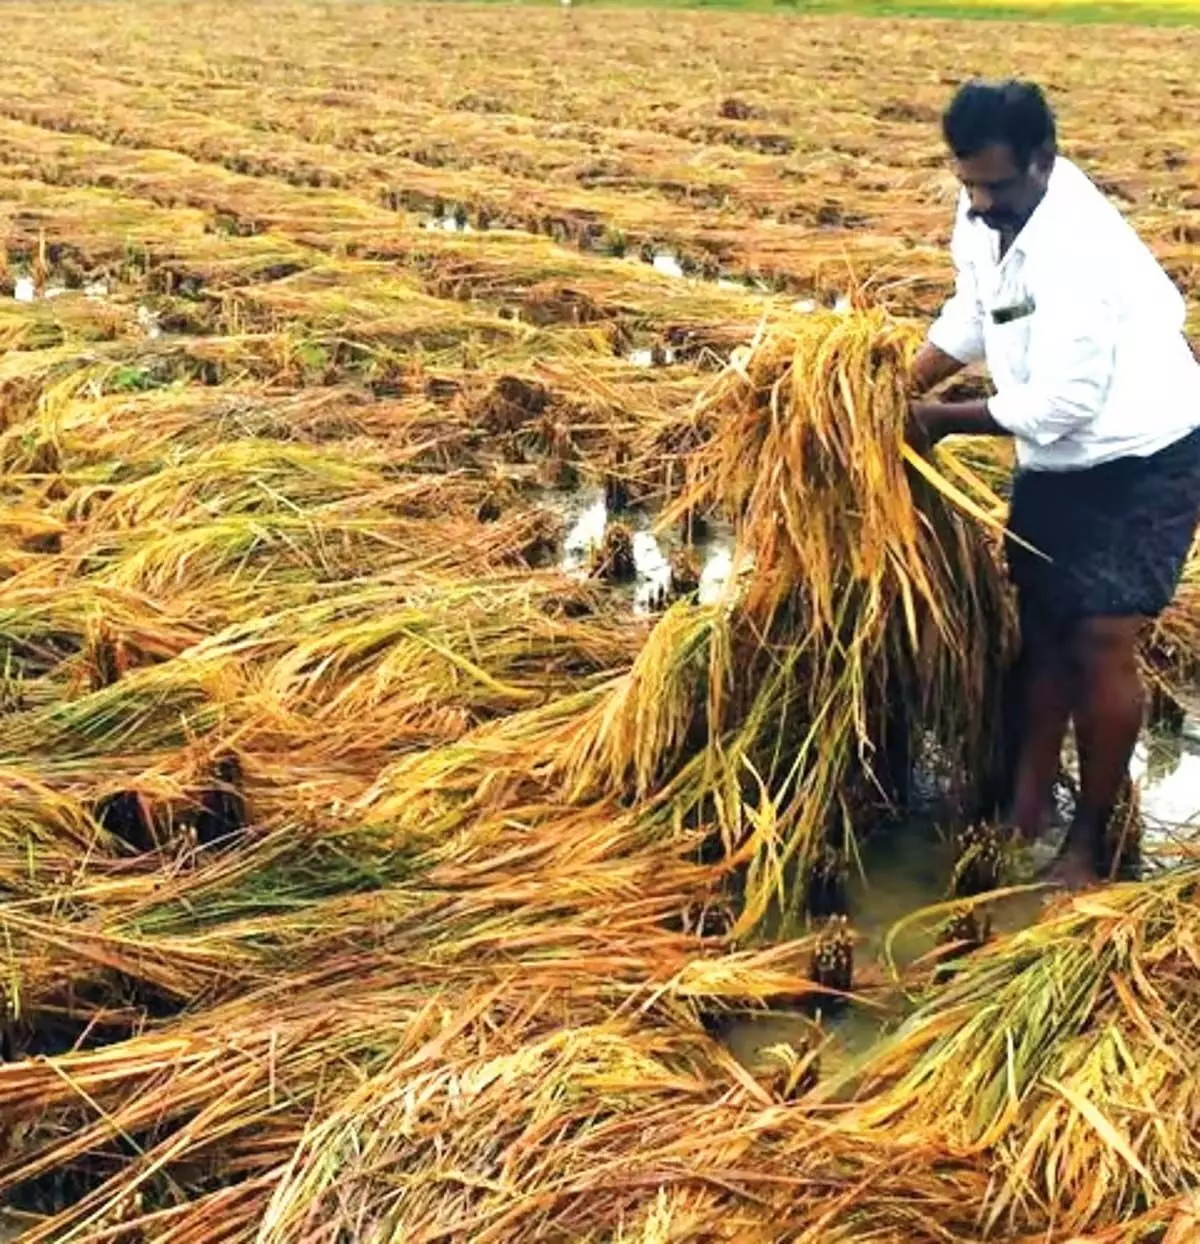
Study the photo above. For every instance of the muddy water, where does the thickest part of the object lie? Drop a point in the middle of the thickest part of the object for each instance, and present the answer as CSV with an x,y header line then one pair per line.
x,y
908,868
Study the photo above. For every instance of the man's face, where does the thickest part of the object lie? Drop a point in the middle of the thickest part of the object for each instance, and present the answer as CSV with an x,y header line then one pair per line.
x,y
1003,195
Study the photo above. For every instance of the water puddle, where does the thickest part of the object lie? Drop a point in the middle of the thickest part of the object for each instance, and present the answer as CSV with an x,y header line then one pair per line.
x,y
654,572
452,220
716,572
671,264
589,517
656,356
25,290
668,264
840,304
148,322
1166,769
907,868
585,535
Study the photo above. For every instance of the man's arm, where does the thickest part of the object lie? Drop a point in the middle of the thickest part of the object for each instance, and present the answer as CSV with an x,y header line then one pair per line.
x,y
1070,364
931,366
955,339
1071,357
930,421
956,336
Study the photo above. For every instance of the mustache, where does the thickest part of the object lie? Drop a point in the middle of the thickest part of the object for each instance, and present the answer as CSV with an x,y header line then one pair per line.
x,y
998,219
998,214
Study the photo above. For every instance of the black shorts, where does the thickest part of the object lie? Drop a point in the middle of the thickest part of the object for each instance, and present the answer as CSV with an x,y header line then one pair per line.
x,y
1117,535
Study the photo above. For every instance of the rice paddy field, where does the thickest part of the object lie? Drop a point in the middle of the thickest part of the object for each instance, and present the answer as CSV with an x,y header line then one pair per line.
x,y
498,735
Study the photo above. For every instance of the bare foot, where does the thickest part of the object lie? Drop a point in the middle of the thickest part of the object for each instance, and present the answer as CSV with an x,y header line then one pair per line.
x,y
1074,870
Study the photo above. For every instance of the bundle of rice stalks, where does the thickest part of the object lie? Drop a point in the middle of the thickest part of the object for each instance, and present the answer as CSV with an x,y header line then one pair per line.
x,y
966,929
1062,1059
483,647
106,656
244,476
874,587
503,950
155,708
51,624
110,432
46,836
806,453
789,1069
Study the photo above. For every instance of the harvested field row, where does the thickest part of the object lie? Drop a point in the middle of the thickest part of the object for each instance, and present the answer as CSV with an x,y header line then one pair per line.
x,y
883,167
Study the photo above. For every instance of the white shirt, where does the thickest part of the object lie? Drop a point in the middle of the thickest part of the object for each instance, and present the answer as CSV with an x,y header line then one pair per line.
x,y
1087,352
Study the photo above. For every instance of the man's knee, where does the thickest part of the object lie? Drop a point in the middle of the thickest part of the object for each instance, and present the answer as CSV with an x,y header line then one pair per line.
x,y
1104,645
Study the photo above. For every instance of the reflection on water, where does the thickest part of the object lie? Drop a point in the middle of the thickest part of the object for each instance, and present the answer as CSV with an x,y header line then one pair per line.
x,y
654,571
25,290
148,322
1166,769
586,533
589,518
717,571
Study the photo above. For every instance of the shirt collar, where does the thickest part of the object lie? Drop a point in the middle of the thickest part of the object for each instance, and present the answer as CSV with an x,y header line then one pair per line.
x,y
1041,221
1034,233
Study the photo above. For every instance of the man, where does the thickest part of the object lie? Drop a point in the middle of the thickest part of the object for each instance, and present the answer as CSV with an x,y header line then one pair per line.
x,y
1083,334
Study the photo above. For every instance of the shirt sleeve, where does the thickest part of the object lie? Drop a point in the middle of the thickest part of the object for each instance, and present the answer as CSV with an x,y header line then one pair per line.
x,y
958,330
1071,357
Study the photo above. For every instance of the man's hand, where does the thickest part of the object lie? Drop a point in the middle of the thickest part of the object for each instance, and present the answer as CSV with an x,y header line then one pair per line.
x,y
929,422
917,430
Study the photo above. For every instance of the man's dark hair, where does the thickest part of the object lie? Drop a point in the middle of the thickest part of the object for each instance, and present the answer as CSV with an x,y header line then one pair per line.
x,y
986,114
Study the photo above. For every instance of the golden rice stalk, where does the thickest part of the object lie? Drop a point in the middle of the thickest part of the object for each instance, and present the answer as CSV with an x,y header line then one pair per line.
x,y
1062,1059
873,585
807,455
640,728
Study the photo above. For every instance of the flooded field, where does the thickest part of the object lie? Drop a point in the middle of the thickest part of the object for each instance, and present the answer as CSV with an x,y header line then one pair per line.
x,y
908,868
492,716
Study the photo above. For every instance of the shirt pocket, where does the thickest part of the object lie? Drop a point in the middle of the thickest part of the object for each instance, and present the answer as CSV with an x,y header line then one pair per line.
x,y
1008,342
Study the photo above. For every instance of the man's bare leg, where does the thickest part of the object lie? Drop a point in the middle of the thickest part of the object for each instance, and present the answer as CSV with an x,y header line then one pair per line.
x,y
1108,713
1048,676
